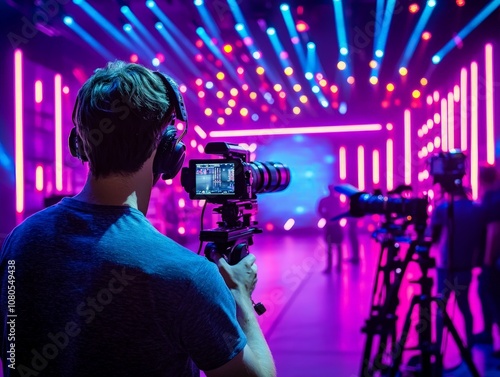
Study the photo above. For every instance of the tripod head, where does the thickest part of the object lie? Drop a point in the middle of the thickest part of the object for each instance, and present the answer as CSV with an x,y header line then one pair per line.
x,y
234,232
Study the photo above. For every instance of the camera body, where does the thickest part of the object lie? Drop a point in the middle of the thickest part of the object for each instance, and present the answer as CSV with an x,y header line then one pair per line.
x,y
448,169
232,177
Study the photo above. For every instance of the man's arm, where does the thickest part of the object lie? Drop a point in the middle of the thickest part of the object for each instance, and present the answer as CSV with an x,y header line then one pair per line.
x,y
255,360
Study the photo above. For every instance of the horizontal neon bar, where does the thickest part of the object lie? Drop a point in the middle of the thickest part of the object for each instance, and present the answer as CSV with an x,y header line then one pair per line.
x,y
298,130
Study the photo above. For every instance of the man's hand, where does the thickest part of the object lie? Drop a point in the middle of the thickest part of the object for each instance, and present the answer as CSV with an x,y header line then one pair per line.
x,y
242,276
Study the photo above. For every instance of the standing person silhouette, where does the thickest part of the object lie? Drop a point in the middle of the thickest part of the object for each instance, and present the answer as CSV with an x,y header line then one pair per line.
x,y
488,187
329,207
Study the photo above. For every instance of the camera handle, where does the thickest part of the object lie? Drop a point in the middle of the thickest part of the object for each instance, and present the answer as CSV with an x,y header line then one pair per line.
x,y
235,251
233,236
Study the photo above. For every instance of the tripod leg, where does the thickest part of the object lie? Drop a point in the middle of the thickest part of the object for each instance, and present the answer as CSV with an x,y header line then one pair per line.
x,y
464,352
365,362
397,351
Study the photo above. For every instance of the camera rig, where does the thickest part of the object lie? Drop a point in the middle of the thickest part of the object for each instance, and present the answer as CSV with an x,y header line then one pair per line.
x,y
387,358
232,182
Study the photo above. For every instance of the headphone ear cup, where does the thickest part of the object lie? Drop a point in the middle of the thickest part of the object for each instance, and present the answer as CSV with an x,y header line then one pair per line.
x,y
170,155
74,143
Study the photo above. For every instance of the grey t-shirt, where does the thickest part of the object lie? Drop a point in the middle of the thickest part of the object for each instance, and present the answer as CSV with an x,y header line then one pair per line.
x,y
100,292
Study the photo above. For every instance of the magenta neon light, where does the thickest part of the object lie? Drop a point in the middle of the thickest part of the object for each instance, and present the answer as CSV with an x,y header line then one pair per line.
x,y
376,166
463,109
474,130
444,125
38,91
58,131
390,164
200,132
342,163
451,121
39,178
361,168
407,124
18,109
297,130
490,134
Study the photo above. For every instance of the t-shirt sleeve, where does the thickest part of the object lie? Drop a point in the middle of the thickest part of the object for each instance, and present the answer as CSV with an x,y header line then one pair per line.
x,y
209,330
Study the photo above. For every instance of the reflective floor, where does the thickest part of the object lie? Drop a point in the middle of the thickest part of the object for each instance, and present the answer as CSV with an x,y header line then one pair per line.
x,y
313,320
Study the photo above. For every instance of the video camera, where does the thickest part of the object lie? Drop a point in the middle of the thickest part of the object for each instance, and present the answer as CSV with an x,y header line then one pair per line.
x,y
414,210
233,177
232,181
448,169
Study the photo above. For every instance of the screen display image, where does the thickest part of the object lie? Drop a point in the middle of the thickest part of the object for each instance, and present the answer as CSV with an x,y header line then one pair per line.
x,y
215,178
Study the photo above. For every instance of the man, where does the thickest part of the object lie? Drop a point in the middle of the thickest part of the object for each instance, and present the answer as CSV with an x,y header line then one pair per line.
x,y
98,290
328,207
457,250
488,187
489,279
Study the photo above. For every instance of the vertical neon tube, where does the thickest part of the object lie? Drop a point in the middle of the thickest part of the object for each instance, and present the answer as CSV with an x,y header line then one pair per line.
x,y
39,178
342,163
444,125
407,121
474,158
18,109
389,164
463,109
38,91
451,121
376,167
58,131
361,168
490,135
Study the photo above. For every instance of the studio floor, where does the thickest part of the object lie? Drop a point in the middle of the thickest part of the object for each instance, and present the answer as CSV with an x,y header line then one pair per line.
x,y
313,320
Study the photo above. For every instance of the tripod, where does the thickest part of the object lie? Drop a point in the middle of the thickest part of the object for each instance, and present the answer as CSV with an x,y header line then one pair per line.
x,y
431,361
388,279
382,322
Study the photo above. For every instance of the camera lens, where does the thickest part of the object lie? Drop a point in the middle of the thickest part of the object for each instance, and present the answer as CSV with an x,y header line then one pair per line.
x,y
269,176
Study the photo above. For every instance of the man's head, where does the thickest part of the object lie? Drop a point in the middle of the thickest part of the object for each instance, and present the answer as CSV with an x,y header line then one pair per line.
x,y
120,115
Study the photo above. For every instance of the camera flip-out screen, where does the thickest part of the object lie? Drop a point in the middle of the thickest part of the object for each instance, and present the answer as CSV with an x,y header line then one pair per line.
x,y
215,178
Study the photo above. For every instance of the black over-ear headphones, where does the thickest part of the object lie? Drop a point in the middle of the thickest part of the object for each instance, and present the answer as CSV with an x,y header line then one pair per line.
x,y
171,150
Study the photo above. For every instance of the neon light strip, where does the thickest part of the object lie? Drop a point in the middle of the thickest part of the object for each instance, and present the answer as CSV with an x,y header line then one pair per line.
x,y
417,33
200,132
38,91
451,122
474,158
297,130
376,167
463,109
342,163
339,23
58,131
389,164
457,39
19,152
361,168
407,122
444,125
39,178
490,135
